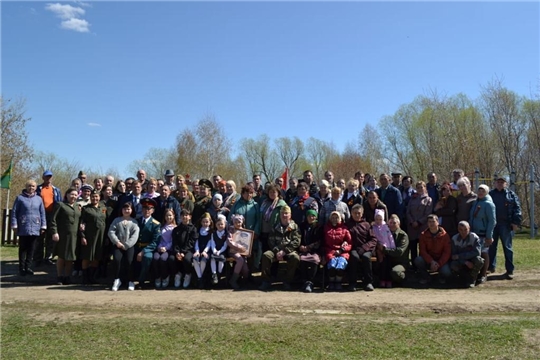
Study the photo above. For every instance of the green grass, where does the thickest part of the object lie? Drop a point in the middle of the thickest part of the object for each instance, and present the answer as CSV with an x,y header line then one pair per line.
x,y
9,252
336,337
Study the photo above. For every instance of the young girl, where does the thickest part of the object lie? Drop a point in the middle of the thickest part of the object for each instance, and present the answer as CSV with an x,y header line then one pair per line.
x,y
202,248
235,251
123,233
218,247
163,264
384,240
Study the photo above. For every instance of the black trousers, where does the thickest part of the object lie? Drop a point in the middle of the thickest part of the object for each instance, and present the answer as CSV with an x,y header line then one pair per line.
x,y
308,270
27,246
44,244
364,261
122,260
185,266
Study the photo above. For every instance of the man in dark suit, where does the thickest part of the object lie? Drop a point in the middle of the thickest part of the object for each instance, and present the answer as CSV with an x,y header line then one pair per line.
x,y
164,202
390,196
149,236
134,198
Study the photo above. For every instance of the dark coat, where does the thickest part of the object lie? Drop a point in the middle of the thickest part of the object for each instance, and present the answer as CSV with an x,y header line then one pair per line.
x,y
184,237
392,199
363,238
448,214
65,223
169,203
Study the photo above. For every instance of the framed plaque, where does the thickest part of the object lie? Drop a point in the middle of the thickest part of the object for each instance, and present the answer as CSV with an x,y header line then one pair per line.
x,y
245,239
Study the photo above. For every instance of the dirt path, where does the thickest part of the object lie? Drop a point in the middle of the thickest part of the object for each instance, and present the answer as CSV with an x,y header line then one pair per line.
x,y
503,296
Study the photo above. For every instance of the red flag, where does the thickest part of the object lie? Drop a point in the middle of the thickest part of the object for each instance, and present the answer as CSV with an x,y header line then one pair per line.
x,y
285,176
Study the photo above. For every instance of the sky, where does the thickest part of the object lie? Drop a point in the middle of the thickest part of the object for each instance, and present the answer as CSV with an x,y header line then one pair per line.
x,y
106,81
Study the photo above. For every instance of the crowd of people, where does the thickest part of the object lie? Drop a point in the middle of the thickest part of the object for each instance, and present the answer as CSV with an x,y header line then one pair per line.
x,y
169,230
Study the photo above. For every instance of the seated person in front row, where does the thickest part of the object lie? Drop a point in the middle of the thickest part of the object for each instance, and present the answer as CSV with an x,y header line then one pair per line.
x,y
466,254
283,241
435,252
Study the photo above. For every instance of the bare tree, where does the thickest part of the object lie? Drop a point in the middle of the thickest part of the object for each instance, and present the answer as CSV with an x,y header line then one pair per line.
x,y
260,157
289,151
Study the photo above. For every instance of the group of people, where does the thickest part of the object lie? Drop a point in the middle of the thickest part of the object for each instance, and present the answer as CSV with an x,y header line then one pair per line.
x,y
164,231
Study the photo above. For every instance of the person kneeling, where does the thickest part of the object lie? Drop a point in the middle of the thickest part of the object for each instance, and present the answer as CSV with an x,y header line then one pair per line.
x,y
435,251
466,254
284,240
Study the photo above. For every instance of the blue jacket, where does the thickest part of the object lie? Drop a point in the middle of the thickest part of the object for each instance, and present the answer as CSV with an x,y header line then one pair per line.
x,y
170,203
507,206
482,217
56,191
28,215
392,200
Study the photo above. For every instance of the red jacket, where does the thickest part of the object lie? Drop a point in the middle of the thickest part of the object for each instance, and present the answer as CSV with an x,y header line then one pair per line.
x,y
334,236
435,247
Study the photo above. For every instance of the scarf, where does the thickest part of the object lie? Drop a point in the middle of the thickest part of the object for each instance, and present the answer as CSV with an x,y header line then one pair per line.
x,y
270,206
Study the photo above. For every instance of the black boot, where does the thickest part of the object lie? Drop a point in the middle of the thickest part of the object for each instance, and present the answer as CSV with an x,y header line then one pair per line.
x,y
92,275
85,277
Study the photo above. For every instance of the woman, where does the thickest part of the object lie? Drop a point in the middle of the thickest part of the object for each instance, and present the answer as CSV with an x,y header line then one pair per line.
x,y
249,209
182,195
231,196
482,220
92,229
465,200
119,189
124,233
373,203
324,193
216,207
419,208
335,204
64,229
270,207
28,221
76,183
152,189
337,245
109,202
311,234
302,203
446,209
351,195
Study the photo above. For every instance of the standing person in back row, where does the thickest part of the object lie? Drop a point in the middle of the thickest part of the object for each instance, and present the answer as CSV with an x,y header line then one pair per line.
x,y
50,195
390,196
508,215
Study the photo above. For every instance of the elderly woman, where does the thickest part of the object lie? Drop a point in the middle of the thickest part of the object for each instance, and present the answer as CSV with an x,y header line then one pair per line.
x,y
352,196
64,229
335,204
446,209
309,250
420,206
373,203
337,246
231,196
93,222
28,221
323,195
269,208
483,221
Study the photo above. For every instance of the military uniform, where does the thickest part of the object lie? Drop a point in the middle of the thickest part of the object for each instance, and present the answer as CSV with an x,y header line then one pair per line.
x,y
94,219
149,235
65,223
199,208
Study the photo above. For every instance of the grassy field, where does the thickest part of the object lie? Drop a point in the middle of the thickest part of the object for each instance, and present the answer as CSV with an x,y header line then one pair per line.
x,y
155,335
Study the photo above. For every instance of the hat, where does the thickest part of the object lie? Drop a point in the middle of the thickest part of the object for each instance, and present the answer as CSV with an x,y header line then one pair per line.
x,y
337,213
47,173
485,187
217,196
394,174
147,202
237,217
207,183
500,177
87,187
311,212
379,212
169,172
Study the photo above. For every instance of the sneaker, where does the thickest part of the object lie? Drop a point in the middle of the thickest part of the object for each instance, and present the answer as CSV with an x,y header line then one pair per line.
x,y
351,287
369,287
116,285
158,283
470,285
509,275
131,286
187,281
165,283
177,280
215,279
481,280
308,287
265,286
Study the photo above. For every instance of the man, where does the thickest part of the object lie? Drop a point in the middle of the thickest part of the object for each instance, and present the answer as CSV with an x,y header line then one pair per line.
x,y
166,201
216,179
396,179
310,181
204,199
466,254
290,194
399,256
435,252
257,186
84,199
334,204
329,176
98,184
50,195
390,196
283,242
363,246
141,176
135,198
456,175
149,236
433,188
371,204
129,182
109,180
509,217
169,179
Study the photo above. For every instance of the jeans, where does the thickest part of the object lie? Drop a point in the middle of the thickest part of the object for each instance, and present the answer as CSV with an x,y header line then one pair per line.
x,y
422,266
505,233
364,261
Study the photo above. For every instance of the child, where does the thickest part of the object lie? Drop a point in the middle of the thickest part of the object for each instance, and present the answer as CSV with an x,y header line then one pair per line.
x,y
163,264
202,247
184,237
235,251
218,247
384,240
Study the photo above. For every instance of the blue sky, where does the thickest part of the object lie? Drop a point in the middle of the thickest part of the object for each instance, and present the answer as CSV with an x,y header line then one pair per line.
x,y
106,81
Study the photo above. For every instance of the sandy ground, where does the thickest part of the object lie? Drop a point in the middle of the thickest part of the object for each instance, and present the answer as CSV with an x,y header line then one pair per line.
x,y
498,295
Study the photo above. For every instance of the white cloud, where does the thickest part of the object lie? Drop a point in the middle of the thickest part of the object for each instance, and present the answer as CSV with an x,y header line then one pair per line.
x,y
76,25
71,16
94,124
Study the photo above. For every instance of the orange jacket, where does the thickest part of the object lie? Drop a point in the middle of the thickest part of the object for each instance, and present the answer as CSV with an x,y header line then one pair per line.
x,y
435,246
